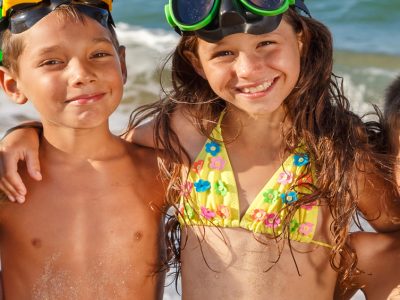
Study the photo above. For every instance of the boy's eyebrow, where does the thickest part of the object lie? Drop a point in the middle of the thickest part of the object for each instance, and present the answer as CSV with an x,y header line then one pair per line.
x,y
102,40
56,47
48,49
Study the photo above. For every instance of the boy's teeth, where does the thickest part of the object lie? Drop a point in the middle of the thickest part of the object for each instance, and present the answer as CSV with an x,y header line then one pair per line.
x,y
256,89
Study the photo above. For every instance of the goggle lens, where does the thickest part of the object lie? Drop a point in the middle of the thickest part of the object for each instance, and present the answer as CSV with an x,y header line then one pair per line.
x,y
191,12
267,4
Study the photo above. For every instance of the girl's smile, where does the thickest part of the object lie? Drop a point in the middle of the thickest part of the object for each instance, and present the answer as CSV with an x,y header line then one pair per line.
x,y
253,73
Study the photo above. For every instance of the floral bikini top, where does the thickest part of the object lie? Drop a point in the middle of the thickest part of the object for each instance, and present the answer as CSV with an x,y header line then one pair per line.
x,y
209,197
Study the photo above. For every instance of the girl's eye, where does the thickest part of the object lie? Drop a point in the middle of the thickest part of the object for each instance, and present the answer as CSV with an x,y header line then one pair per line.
x,y
222,54
265,43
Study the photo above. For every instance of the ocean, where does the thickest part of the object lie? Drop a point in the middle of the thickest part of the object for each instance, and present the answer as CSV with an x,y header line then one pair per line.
x,y
367,55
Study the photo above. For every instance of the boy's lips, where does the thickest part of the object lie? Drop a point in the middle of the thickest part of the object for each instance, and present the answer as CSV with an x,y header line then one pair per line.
x,y
85,99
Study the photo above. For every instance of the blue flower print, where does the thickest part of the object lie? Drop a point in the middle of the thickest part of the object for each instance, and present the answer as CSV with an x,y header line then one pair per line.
x,y
301,159
289,197
202,185
213,148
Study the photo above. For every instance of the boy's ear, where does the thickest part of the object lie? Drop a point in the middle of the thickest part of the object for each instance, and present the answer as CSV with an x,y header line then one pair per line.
x,y
194,60
10,86
122,60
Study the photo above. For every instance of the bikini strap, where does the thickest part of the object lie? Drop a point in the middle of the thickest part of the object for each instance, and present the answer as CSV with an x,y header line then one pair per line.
x,y
321,244
221,116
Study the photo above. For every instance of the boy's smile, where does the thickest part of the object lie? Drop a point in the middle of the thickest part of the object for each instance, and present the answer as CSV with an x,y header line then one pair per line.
x,y
79,74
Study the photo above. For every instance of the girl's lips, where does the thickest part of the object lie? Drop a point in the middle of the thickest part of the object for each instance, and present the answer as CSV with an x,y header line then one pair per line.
x,y
258,90
86,99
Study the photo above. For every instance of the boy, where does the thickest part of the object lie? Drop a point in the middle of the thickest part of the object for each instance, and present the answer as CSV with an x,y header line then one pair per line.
x,y
379,254
91,228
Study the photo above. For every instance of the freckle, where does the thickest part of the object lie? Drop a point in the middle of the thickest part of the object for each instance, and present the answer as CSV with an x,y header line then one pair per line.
x,y
37,243
138,236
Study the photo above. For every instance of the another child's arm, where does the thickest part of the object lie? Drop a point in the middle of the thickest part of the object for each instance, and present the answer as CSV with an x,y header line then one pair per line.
x,y
379,202
378,265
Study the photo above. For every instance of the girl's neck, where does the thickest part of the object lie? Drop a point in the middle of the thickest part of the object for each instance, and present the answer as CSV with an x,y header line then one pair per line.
x,y
257,130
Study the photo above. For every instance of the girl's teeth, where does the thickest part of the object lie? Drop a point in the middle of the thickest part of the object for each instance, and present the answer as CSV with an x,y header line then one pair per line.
x,y
256,89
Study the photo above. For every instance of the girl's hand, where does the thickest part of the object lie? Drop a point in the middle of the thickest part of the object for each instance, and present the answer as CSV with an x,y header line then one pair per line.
x,y
20,144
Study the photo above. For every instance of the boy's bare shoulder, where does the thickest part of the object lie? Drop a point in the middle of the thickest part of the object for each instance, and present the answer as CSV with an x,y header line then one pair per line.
x,y
142,156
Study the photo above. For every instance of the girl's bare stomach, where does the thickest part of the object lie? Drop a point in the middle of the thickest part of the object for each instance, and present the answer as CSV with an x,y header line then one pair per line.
x,y
233,263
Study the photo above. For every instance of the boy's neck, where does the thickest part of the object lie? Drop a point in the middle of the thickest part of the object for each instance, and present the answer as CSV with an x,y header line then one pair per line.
x,y
60,143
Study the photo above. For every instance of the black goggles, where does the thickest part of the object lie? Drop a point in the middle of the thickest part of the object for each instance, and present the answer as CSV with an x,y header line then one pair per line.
x,y
214,19
23,16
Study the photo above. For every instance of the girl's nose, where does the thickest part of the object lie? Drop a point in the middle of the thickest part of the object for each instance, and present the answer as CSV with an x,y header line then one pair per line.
x,y
247,65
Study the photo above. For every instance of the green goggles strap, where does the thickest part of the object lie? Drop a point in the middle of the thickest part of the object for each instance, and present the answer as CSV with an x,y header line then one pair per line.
x,y
174,22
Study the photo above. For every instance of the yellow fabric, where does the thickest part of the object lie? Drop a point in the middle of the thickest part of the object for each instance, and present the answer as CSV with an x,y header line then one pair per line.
x,y
209,197
7,4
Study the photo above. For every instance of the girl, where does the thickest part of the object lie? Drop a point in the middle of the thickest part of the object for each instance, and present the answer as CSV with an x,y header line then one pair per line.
x,y
272,159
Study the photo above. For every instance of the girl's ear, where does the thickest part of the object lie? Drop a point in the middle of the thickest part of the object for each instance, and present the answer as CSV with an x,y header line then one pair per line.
x,y
9,84
194,60
300,42
121,53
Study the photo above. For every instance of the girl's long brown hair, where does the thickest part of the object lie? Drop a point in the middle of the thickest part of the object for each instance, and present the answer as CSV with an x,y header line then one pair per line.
x,y
335,137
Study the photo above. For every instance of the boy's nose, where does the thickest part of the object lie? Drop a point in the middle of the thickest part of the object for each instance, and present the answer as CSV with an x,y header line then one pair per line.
x,y
81,73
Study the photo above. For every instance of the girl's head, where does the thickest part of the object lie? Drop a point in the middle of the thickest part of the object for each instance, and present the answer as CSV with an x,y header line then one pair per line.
x,y
287,68
283,66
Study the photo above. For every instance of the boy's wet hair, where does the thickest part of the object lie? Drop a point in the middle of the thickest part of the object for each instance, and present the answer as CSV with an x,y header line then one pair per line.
x,y
13,45
392,104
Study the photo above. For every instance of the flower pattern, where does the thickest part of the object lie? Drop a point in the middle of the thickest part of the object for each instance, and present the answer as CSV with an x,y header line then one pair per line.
x,y
223,211
213,148
207,213
186,189
272,220
306,228
198,166
265,215
309,206
270,196
289,197
187,210
202,185
259,215
217,163
220,188
294,225
285,177
301,159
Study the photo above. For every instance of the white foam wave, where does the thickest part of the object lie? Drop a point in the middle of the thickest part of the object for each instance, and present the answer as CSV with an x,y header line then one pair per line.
x,y
155,39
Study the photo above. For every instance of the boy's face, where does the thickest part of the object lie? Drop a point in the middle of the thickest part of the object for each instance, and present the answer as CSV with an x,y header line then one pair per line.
x,y
71,72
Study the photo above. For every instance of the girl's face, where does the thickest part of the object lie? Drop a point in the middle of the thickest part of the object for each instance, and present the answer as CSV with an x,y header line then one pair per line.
x,y
254,73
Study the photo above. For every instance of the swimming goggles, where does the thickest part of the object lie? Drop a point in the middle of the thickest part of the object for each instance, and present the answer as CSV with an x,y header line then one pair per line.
x,y
20,15
214,19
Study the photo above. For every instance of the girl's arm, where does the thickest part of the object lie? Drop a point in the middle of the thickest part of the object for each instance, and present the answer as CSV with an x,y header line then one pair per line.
x,y
20,144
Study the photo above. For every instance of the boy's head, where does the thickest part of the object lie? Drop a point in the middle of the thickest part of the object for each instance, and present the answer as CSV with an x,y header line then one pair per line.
x,y
20,17
68,64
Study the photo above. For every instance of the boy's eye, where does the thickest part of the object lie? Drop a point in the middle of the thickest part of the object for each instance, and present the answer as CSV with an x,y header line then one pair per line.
x,y
100,54
50,62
